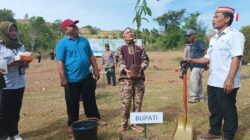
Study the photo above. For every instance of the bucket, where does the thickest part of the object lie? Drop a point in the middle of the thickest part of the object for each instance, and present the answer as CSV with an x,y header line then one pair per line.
x,y
85,130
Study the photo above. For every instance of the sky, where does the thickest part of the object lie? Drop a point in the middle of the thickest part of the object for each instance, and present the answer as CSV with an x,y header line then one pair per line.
x,y
119,14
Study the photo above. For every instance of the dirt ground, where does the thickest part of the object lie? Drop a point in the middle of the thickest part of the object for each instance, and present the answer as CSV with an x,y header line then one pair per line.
x,y
43,114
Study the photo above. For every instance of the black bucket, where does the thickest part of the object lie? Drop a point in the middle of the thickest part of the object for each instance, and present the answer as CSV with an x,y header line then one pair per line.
x,y
85,130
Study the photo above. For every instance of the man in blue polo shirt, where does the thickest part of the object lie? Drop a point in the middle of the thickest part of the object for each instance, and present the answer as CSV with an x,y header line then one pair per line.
x,y
74,57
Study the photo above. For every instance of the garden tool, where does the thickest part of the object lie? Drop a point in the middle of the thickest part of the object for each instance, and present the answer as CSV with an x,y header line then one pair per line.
x,y
184,127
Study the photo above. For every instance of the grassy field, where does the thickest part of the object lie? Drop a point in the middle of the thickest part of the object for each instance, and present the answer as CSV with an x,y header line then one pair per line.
x,y
43,115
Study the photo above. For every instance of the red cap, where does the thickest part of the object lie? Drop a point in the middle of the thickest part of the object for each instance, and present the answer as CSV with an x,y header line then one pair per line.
x,y
68,22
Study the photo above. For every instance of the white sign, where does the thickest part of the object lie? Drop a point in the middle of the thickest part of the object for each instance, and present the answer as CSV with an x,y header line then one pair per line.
x,y
146,117
97,45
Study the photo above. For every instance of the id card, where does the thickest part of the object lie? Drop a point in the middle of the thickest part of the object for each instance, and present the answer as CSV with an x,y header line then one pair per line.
x,y
21,69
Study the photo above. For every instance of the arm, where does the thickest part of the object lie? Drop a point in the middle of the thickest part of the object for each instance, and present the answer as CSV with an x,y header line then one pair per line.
x,y
61,70
229,82
95,67
202,60
145,60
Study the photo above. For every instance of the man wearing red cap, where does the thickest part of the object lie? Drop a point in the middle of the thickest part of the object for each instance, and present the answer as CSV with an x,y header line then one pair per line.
x,y
74,57
224,55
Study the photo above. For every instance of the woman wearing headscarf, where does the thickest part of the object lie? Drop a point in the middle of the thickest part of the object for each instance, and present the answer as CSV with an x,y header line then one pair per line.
x,y
12,94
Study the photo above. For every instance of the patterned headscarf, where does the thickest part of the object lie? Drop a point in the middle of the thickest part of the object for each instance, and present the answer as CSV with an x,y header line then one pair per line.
x,y
5,37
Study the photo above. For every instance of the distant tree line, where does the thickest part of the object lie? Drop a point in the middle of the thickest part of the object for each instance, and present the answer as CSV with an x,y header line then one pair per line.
x,y
38,35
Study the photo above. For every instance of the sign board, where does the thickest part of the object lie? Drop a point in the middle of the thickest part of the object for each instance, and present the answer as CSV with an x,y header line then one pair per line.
x,y
97,45
146,117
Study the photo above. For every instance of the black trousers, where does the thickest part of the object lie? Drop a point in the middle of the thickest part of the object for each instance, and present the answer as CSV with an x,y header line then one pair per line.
x,y
84,89
10,106
222,107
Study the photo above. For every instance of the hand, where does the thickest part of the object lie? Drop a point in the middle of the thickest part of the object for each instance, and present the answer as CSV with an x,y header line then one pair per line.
x,y
228,85
64,83
26,64
96,74
186,60
143,66
14,63
128,73
1,72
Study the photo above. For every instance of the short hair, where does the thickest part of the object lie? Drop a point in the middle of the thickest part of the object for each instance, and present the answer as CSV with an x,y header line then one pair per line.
x,y
127,28
106,44
230,15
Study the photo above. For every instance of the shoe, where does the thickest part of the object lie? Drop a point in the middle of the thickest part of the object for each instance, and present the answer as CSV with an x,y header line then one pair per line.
x,y
121,129
192,100
201,100
16,137
208,136
137,128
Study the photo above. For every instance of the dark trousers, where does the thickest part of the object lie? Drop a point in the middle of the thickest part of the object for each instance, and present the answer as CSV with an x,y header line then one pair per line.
x,y
111,79
84,89
10,106
222,106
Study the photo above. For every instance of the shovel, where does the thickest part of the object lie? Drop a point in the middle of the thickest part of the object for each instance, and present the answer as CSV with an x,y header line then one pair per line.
x,y
184,127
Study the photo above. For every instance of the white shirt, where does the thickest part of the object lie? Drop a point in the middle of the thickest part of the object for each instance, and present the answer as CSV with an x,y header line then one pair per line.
x,y
222,48
13,79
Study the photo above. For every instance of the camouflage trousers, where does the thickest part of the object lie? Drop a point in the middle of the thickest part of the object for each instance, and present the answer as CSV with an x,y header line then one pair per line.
x,y
131,91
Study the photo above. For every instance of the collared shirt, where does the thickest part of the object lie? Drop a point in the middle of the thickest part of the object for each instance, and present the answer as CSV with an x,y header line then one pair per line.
x,y
222,48
75,55
13,79
108,58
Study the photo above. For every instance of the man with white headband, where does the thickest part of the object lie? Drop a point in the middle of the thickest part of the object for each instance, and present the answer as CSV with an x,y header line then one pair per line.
x,y
224,55
132,61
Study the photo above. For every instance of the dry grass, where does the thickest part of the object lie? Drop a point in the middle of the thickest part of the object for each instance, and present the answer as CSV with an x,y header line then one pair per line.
x,y
43,115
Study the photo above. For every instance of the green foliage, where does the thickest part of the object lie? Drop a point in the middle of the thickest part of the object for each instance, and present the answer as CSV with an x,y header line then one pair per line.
x,y
191,22
246,31
171,18
38,35
92,30
174,24
172,39
141,10
7,15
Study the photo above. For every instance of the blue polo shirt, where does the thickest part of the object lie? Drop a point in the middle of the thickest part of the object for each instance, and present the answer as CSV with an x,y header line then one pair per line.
x,y
75,55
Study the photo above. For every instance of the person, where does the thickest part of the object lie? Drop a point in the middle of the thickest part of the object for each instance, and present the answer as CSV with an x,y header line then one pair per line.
x,y
52,54
108,62
12,94
39,57
224,55
197,50
132,61
74,57
186,52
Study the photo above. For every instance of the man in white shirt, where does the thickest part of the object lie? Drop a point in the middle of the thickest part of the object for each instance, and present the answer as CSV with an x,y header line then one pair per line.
x,y
224,55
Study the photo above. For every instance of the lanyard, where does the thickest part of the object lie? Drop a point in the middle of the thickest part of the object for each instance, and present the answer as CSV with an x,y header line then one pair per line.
x,y
14,51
